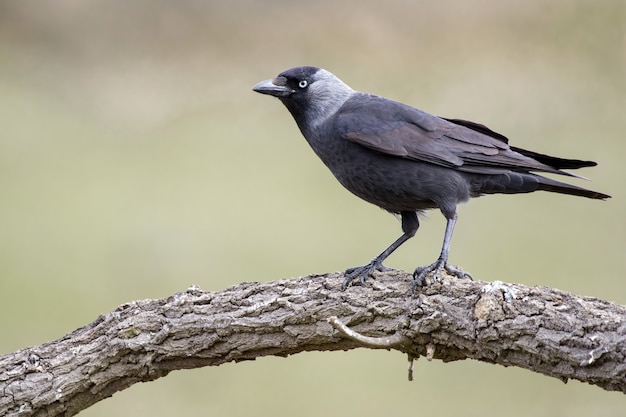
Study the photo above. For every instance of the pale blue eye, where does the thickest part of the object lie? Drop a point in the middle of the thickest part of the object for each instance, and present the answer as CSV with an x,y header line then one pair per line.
x,y
303,84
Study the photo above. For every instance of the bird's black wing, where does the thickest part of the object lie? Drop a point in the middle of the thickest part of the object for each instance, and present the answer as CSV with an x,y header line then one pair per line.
x,y
399,130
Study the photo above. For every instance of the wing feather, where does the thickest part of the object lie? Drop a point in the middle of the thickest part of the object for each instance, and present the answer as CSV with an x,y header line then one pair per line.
x,y
396,129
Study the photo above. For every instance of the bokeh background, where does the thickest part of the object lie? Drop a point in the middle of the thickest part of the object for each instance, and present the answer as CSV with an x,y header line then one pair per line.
x,y
136,161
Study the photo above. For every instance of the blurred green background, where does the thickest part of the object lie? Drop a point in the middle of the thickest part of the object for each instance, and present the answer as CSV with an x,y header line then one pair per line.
x,y
135,161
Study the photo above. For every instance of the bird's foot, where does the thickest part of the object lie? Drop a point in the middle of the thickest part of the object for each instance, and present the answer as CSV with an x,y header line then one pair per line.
x,y
421,272
362,272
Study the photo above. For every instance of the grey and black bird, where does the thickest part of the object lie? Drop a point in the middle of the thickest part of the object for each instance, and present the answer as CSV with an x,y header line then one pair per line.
x,y
406,161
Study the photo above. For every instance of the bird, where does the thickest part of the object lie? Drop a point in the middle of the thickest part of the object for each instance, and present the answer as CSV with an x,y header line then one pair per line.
x,y
407,161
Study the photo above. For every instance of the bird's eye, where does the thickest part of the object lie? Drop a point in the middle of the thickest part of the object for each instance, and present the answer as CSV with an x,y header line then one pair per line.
x,y
303,84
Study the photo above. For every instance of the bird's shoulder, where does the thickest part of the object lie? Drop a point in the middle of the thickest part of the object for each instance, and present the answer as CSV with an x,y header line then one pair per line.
x,y
374,114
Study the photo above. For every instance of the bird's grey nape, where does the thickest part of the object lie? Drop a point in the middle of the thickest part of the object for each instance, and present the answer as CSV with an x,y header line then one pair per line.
x,y
326,95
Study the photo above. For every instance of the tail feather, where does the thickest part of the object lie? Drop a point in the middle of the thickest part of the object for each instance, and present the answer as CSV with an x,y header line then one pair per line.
x,y
520,182
547,184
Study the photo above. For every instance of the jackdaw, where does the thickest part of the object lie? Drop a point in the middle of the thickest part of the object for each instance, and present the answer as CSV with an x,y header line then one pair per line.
x,y
406,161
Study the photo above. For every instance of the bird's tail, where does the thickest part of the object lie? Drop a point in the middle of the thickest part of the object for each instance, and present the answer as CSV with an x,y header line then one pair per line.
x,y
523,182
548,184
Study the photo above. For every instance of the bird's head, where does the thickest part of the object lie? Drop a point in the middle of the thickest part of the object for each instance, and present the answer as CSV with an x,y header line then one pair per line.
x,y
311,94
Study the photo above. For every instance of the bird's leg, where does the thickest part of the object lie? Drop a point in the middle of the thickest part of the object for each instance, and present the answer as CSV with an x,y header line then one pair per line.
x,y
420,273
362,272
410,224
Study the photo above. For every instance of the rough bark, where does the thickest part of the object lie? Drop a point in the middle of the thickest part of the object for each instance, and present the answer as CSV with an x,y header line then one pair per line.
x,y
541,329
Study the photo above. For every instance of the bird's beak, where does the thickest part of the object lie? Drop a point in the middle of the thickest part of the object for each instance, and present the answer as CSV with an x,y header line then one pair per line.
x,y
275,87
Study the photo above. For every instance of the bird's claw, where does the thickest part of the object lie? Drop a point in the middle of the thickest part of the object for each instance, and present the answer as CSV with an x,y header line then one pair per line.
x,y
421,272
458,272
362,272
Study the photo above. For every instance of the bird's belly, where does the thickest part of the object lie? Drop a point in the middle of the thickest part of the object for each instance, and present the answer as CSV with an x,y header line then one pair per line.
x,y
394,191
396,184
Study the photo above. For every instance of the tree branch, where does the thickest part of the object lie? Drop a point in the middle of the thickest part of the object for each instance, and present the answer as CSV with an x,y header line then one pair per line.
x,y
541,329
